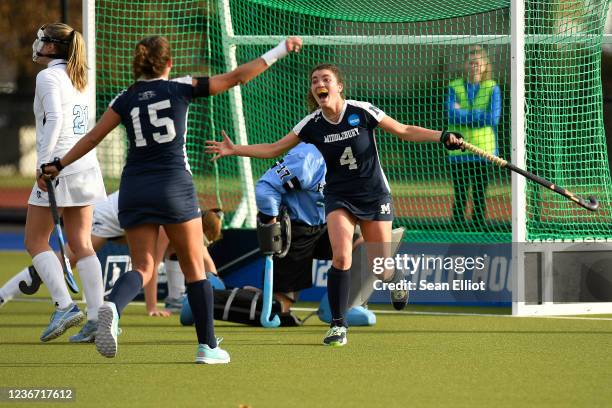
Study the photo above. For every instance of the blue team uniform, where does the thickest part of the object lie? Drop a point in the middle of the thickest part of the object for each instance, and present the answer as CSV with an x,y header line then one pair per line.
x,y
156,183
296,182
355,180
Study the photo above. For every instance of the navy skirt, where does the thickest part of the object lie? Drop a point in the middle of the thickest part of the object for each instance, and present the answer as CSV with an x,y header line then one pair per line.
x,y
376,208
157,198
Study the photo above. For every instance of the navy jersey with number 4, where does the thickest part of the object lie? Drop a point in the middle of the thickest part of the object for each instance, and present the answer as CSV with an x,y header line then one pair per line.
x,y
349,149
156,183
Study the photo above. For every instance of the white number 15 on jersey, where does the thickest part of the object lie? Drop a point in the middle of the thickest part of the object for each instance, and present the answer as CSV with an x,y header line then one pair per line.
x,y
159,137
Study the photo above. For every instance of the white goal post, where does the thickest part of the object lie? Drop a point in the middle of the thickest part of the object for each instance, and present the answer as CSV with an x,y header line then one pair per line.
x,y
245,215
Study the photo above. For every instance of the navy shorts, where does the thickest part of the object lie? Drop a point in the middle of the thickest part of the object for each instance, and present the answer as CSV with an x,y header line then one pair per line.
x,y
376,208
167,198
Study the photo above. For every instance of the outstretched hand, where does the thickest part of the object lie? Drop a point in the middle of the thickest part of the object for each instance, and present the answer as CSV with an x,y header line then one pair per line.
x,y
294,44
220,149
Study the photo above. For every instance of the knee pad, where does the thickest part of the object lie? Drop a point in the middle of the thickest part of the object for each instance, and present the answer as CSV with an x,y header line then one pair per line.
x,y
275,238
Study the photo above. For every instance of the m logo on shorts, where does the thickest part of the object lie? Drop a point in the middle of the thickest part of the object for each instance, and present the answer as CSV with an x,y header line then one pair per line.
x,y
385,208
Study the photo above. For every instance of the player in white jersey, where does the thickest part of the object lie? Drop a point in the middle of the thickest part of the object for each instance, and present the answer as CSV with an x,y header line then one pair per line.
x,y
62,116
356,189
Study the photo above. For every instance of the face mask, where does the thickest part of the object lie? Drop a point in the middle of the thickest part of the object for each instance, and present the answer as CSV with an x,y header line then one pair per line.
x,y
38,44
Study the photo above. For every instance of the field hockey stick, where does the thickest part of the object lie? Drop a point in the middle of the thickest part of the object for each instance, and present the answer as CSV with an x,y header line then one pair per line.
x,y
592,204
266,310
60,238
33,287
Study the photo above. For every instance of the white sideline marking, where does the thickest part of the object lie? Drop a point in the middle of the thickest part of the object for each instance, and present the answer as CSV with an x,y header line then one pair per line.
x,y
408,312
399,312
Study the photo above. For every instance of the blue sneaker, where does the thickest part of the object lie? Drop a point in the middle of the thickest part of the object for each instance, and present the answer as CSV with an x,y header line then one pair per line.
x,y
61,320
108,328
217,355
87,334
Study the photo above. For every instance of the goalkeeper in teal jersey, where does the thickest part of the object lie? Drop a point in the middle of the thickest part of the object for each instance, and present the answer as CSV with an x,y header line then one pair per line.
x,y
296,182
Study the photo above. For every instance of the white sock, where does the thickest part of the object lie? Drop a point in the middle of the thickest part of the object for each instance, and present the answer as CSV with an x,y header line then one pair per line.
x,y
11,288
50,271
90,272
176,280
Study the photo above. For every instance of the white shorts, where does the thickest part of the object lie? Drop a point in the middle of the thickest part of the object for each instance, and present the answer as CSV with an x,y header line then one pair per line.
x,y
73,190
106,218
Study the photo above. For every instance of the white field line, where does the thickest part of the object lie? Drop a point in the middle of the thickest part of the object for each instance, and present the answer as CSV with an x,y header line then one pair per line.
x,y
409,312
391,312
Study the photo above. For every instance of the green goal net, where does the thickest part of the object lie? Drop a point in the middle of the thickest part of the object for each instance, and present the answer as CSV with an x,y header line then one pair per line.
x,y
413,60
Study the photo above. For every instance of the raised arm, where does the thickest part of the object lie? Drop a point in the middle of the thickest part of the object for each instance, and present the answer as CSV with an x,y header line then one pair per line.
x,y
109,120
262,151
245,72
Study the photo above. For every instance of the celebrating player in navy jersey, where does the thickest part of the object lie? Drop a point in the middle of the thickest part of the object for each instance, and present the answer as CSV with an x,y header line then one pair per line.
x,y
356,189
156,185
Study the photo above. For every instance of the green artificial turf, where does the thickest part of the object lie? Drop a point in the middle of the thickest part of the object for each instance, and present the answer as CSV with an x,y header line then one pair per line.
x,y
405,360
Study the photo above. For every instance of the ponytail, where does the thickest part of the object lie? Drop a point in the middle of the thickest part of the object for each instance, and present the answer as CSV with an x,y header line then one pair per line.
x,y
77,61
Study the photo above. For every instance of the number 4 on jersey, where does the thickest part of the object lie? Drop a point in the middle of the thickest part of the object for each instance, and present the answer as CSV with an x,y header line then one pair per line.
x,y
348,158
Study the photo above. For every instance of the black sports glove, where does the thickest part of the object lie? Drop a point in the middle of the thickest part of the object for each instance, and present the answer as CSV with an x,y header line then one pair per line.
x,y
446,135
56,163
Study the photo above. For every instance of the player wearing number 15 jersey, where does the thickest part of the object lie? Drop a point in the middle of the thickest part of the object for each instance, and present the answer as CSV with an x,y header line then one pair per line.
x,y
156,184
356,189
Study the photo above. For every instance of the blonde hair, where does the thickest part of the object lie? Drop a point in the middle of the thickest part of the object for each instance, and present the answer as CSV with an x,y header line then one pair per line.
x,y
151,57
483,56
74,52
212,221
311,102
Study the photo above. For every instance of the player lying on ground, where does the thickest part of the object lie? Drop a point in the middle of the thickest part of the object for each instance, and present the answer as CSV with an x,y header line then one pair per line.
x,y
356,189
106,228
157,186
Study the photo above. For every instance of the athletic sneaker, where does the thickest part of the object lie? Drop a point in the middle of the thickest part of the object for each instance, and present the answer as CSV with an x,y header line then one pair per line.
x,y
87,334
61,320
108,327
399,298
335,337
174,304
206,355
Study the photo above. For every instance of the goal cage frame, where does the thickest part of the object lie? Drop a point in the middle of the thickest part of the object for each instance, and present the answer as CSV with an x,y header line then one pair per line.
x,y
245,215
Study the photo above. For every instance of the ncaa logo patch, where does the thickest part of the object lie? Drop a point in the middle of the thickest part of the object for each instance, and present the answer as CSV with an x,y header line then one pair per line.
x,y
353,120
